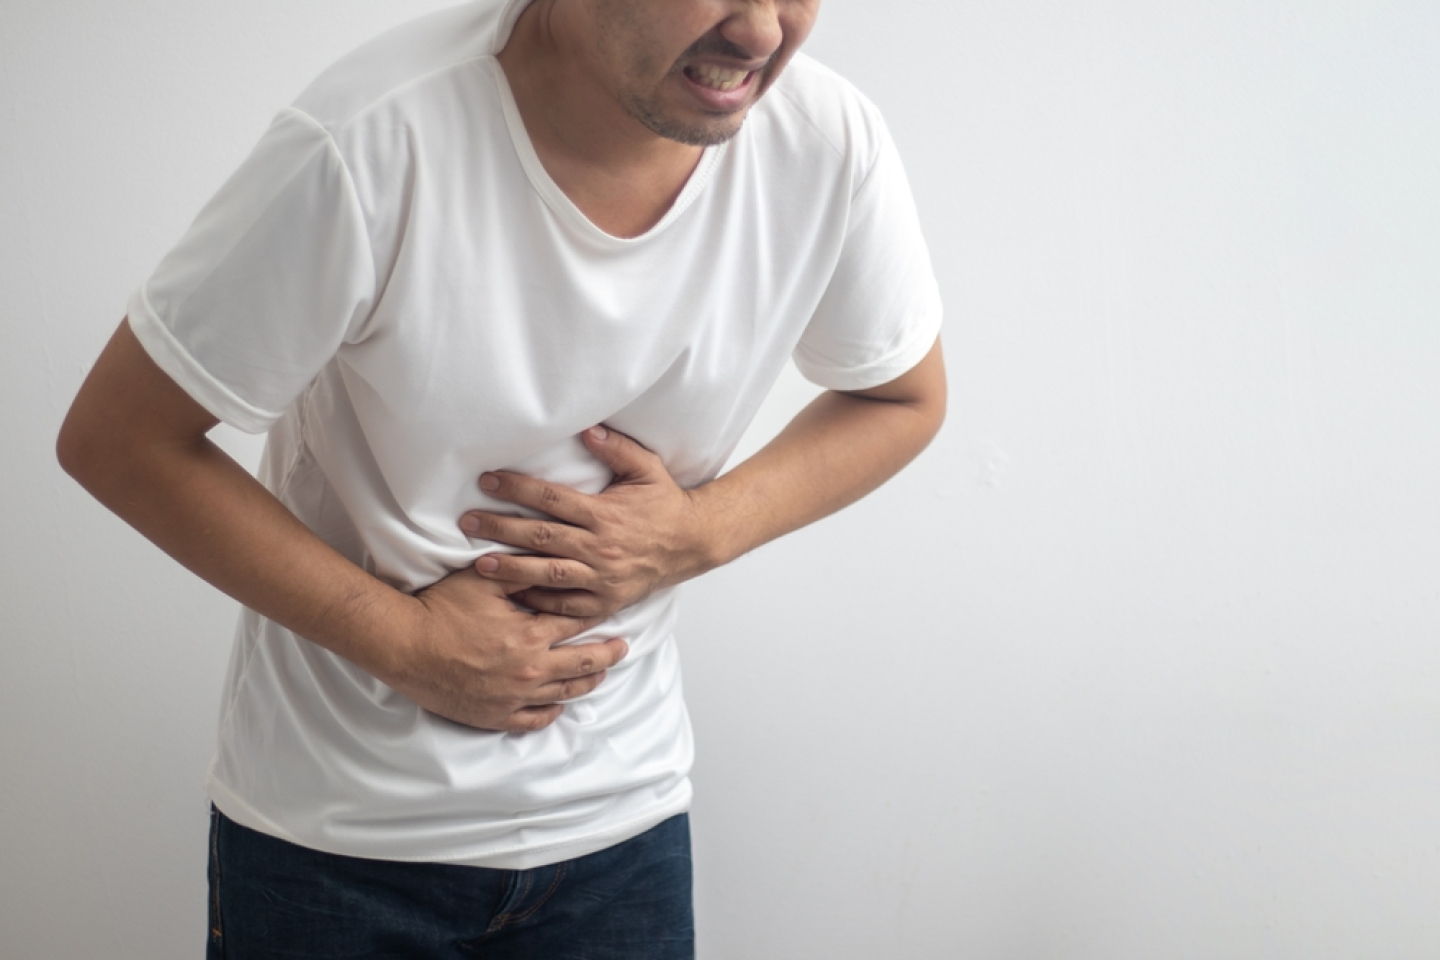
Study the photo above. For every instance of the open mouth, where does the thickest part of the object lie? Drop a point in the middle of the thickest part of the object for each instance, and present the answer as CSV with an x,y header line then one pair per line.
x,y
718,78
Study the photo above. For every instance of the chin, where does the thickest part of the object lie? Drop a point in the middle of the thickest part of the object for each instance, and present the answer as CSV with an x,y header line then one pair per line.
x,y
695,133
691,127
708,135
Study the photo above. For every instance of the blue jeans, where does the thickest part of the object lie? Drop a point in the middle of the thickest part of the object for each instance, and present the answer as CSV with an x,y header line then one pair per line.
x,y
273,899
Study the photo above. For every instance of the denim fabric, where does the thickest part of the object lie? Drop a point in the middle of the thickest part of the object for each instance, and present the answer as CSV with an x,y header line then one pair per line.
x,y
273,899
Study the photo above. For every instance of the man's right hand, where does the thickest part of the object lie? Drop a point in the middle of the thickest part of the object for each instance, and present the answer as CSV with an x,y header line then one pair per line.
x,y
137,441
477,659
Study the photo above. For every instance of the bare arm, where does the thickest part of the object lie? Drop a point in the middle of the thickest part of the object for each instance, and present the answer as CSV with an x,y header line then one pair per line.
x,y
838,449
644,532
137,442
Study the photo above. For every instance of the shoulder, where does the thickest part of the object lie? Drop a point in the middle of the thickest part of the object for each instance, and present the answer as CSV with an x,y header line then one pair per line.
x,y
401,59
811,101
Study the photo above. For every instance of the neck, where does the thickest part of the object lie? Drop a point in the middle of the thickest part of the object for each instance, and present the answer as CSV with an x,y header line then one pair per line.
x,y
622,175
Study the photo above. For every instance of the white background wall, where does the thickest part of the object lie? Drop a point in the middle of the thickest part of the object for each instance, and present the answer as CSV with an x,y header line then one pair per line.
x,y
1140,660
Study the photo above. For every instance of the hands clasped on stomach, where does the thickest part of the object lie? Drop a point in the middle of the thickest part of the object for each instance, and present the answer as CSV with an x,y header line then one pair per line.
x,y
482,658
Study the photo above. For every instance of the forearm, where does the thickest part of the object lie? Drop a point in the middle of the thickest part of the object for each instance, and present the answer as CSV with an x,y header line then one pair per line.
x,y
458,648
208,513
195,503
838,449
592,555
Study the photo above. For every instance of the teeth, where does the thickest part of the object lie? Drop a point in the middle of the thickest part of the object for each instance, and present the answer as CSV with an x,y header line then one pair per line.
x,y
719,78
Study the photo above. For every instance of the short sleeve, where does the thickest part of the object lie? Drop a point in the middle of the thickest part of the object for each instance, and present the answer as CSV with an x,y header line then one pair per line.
x,y
273,276
881,311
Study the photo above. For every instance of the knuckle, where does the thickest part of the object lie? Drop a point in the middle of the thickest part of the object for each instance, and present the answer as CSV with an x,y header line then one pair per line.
x,y
549,496
557,573
542,534
529,673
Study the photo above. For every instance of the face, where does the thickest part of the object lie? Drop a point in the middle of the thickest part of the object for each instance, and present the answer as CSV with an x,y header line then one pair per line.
x,y
690,70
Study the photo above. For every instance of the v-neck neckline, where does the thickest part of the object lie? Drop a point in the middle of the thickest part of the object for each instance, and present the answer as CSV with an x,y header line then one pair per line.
x,y
561,204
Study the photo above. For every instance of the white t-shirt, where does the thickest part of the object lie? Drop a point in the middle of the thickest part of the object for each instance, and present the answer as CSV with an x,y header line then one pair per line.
x,y
393,286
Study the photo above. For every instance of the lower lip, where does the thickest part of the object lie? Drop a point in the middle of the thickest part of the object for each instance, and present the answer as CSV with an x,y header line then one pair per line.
x,y
722,101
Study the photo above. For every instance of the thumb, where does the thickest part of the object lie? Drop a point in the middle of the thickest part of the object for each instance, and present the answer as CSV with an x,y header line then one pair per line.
x,y
625,458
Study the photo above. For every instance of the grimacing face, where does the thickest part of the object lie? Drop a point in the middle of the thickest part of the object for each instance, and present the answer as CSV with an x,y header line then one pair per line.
x,y
690,70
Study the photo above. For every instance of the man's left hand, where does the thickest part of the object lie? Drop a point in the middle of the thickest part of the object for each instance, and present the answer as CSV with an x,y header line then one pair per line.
x,y
597,553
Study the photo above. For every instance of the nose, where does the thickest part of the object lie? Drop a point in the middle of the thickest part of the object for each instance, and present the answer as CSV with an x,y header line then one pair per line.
x,y
755,28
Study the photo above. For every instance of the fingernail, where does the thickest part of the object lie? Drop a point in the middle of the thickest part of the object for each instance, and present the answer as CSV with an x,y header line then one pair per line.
x,y
487,564
470,525
599,433
488,481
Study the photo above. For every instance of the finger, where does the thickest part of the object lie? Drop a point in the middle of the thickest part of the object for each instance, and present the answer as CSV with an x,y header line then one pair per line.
x,y
558,501
585,659
550,572
626,459
565,603
531,719
545,629
559,691
541,536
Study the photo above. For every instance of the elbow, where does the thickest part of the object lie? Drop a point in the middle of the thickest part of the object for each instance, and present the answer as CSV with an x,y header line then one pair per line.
x,y
932,405
74,449
931,417
925,390
937,403
90,443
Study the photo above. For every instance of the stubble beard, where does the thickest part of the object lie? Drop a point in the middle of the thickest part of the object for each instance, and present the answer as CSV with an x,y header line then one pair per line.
x,y
649,113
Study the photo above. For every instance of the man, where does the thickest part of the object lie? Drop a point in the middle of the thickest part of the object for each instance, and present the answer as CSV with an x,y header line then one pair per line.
x,y
505,286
